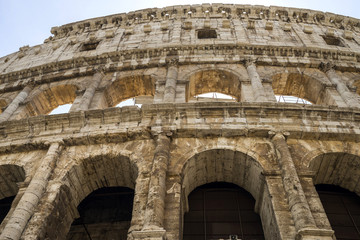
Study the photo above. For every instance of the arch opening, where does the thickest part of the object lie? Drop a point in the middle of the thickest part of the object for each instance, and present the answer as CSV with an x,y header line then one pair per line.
x,y
337,168
10,175
104,171
299,86
141,88
220,210
342,208
104,214
5,206
50,99
231,167
213,81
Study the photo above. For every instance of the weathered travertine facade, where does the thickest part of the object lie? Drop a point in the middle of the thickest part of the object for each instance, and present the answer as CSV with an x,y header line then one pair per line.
x,y
177,142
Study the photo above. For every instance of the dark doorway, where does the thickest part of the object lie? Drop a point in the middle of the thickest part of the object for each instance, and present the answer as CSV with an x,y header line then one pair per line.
x,y
221,211
5,205
104,214
342,208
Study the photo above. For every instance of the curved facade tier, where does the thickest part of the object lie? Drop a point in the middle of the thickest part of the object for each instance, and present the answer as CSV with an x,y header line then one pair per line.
x,y
178,164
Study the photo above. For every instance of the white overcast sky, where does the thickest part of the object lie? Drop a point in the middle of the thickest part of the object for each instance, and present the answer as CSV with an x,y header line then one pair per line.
x,y
28,22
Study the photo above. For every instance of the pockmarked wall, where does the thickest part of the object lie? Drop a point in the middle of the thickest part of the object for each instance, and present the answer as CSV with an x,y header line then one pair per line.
x,y
54,169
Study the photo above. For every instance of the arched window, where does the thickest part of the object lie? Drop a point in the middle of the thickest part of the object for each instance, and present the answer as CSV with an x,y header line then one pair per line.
x,y
299,87
50,99
342,208
221,210
104,214
140,87
213,81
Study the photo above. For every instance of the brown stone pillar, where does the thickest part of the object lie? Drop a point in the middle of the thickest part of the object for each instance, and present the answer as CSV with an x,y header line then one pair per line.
x,y
171,79
140,199
90,91
13,106
304,221
28,202
153,227
258,88
349,97
297,201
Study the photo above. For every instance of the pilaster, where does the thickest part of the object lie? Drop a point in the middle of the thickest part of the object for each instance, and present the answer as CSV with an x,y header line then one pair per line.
x,y
13,106
34,192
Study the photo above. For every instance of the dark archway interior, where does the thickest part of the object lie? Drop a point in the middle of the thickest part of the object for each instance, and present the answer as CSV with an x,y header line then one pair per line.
x,y
104,214
342,208
5,205
221,211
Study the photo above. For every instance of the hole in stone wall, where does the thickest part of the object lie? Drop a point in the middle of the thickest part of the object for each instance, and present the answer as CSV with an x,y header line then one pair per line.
x,y
206,33
65,108
334,41
89,46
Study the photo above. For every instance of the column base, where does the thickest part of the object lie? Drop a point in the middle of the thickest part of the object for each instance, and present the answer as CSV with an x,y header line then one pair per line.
x,y
159,234
314,234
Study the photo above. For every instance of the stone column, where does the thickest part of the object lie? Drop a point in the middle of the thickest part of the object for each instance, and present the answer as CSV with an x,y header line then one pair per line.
x,y
297,201
90,91
349,97
170,84
154,214
28,202
304,221
13,106
258,88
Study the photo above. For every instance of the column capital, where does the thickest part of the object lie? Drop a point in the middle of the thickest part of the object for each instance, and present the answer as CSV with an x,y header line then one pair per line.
x,y
274,135
249,62
326,66
172,62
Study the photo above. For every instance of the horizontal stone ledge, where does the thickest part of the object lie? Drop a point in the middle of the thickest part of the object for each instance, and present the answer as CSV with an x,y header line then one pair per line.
x,y
263,53
195,119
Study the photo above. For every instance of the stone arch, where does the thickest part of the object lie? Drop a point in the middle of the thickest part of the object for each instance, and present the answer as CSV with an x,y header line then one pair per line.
x,y
129,87
221,165
178,168
48,99
213,79
337,168
75,184
299,85
230,166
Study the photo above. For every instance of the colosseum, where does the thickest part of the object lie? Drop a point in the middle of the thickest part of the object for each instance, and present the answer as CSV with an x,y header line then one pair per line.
x,y
212,121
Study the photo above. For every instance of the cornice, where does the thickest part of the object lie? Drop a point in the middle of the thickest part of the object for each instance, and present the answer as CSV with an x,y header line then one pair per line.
x,y
235,11
116,125
155,57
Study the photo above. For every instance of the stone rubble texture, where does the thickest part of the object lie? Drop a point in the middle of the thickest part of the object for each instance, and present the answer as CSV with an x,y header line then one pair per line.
x,y
176,142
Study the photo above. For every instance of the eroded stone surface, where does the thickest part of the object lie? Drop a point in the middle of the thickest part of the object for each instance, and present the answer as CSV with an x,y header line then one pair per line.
x,y
177,142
